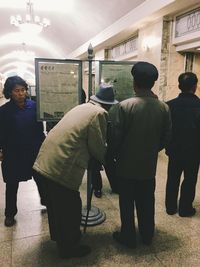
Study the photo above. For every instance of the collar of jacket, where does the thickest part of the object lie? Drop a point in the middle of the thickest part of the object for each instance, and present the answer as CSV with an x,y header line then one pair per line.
x,y
144,93
95,103
187,95
26,104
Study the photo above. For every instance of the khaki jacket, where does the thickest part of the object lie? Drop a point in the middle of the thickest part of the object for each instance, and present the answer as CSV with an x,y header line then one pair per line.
x,y
65,153
142,128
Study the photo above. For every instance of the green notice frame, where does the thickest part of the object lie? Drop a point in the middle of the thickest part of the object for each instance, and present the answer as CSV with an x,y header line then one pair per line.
x,y
58,87
119,74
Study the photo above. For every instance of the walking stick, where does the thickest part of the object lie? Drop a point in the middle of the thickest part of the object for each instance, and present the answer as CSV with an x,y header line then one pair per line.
x,y
88,208
92,214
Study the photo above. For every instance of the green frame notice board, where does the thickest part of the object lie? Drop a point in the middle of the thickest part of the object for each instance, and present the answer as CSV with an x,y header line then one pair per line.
x,y
118,73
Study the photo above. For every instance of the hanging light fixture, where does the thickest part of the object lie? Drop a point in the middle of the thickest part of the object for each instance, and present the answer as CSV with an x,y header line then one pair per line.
x,y
24,54
31,23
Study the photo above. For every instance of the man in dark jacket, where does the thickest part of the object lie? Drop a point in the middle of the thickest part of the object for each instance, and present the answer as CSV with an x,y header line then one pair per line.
x,y
142,128
184,148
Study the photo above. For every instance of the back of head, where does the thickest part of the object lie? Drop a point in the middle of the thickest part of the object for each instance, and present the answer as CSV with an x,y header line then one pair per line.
x,y
10,84
187,81
144,74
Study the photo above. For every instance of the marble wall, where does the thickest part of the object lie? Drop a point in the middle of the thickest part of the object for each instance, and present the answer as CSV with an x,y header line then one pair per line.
x,y
173,64
149,46
196,69
155,46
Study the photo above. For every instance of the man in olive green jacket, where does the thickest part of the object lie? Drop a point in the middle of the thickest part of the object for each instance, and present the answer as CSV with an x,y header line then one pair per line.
x,y
142,129
62,161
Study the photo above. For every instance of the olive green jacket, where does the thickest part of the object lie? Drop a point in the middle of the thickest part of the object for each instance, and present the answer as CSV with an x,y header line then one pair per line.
x,y
80,135
142,127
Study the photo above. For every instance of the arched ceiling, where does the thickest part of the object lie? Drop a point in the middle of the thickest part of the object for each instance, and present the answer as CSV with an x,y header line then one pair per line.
x,y
73,22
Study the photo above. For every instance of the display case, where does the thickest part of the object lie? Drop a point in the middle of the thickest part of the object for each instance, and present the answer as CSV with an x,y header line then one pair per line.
x,y
58,87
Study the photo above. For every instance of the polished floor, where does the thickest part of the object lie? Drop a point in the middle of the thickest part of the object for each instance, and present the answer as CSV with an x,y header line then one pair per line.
x,y
27,244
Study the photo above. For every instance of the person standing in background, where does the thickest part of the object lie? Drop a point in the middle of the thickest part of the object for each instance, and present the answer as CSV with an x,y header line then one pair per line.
x,y
184,148
109,166
110,163
142,127
20,139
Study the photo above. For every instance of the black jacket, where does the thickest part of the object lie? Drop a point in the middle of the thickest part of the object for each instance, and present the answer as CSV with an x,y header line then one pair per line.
x,y
21,136
185,113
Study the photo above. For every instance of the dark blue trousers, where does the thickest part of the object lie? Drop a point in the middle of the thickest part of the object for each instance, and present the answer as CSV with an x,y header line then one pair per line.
x,y
189,167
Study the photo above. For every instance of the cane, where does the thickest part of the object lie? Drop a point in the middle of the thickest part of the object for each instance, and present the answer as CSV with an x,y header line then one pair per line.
x,y
88,209
97,216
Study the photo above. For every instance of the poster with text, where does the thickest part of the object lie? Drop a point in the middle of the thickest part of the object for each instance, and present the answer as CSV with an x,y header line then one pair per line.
x,y
58,84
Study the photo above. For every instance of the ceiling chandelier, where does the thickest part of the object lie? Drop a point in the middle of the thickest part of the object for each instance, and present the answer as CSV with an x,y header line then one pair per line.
x,y
31,23
24,54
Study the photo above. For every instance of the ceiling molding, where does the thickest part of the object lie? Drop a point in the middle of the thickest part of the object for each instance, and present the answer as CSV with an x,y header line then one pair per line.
x,y
127,22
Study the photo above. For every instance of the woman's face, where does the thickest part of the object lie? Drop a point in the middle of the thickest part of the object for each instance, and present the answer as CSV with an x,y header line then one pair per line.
x,y
19,94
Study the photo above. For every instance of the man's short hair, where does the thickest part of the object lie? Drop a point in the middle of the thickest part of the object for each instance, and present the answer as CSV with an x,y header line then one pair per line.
x,y
144,74
187,81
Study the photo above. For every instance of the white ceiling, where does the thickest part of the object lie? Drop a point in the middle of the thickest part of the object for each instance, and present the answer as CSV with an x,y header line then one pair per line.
x,y
73,22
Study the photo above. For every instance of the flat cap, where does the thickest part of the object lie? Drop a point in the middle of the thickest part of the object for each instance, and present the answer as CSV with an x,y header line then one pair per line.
x,y
144,70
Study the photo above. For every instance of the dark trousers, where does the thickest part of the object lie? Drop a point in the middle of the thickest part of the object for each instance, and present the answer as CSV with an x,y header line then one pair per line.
x,y
11,199
40,182
110,170
190,168
139,195
95,171
11,195
64,215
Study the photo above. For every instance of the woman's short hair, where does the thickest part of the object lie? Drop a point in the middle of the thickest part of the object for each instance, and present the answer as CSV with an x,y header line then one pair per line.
x,y
10,84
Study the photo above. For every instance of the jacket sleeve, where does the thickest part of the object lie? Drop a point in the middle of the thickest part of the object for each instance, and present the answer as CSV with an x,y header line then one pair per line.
x,y
166,130
118,129
97,136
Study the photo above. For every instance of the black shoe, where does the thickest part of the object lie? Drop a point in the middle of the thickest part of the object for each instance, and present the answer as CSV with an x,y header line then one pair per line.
x,y
171,212
128,243
9,221
147,242
190,213
98,193
78,252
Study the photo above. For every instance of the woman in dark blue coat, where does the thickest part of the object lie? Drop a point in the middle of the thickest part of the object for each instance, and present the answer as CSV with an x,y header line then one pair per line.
x,y
20,139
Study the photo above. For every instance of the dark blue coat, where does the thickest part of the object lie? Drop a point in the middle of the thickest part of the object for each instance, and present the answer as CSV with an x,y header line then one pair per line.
x,y
185,114
20,139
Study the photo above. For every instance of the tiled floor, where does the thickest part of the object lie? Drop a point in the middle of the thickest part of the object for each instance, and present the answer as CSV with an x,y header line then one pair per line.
x,y
27,244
